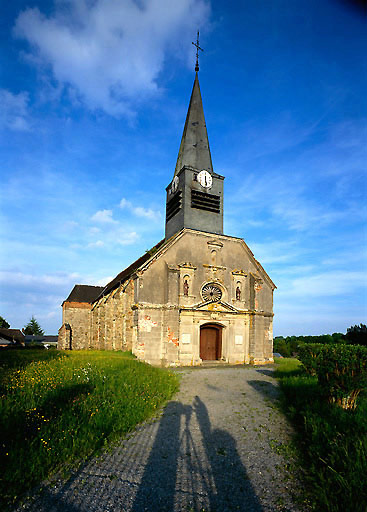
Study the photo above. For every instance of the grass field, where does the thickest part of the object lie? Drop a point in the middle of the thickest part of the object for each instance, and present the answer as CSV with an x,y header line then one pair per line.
x,y
58,408
332,442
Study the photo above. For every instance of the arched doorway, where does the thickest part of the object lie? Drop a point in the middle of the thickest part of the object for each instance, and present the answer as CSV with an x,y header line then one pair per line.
x,y
210,342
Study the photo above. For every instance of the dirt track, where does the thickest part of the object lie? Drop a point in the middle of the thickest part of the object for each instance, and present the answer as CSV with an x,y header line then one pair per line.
x,y
218,446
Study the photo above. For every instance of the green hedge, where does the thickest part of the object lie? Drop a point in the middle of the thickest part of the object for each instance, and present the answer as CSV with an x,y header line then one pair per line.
x,y
308,354
341,371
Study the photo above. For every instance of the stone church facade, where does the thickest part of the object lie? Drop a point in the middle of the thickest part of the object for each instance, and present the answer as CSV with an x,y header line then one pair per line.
x,y
197,296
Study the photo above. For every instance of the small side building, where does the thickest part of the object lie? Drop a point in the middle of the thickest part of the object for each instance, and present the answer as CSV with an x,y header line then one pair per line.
x,y
76,311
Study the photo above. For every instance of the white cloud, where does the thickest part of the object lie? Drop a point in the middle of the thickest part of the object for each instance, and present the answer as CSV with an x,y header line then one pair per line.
x,y
110,53
124,203
99,243
70,224
51,314
324,284
40,294
255,223
100,281
275,136
274,251
139,211
25,280
126,238
104,217
113,232
301,214
288,199
116,235
14,113
313,318
148,213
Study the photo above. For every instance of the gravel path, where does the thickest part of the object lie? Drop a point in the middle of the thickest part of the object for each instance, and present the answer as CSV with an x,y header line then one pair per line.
x,y
220,445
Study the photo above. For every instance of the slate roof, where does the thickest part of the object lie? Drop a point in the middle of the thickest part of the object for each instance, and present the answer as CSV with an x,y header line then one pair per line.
x,y
194,148
84,293
12,334
125,274
47,338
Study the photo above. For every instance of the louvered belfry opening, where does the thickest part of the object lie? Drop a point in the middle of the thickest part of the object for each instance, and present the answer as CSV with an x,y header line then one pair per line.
x,y
173,205
205,201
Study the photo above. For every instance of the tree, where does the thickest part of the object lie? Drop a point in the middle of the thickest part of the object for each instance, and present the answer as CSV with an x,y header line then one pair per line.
x,y
357,335
281,346
33,327
4,323
338,337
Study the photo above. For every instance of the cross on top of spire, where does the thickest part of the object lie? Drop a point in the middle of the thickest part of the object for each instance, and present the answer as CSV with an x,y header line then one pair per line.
x,y
197,52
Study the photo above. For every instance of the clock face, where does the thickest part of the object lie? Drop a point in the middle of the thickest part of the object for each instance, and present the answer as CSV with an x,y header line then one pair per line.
x,y
205,179
174,185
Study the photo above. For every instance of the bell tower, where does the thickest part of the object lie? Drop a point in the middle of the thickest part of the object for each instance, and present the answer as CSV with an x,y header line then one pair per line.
x,y
195,194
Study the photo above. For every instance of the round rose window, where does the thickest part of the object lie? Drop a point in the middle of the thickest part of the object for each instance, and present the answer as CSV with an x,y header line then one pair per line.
x,y
211,292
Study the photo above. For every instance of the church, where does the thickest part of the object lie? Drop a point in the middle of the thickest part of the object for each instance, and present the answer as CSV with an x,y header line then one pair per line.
x,y
198,295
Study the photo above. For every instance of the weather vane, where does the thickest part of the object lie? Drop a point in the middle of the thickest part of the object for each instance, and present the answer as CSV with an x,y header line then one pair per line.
x,y
197,52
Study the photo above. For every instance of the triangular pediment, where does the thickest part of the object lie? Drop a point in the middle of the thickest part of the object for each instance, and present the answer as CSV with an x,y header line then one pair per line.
x,y
220,306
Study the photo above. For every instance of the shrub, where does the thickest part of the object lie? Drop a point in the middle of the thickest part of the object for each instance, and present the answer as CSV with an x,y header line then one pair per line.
x,y
332,443
281,347
342,373
309,354
289,346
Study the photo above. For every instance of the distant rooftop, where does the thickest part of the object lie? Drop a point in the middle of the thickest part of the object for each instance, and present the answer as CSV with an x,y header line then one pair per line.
x,y
12,334
46,338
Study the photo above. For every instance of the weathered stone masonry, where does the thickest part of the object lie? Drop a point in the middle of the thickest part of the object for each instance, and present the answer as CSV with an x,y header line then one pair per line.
x,y
158,311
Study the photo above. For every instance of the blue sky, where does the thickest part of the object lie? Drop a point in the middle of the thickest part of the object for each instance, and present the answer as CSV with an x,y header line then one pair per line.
x,y
93,99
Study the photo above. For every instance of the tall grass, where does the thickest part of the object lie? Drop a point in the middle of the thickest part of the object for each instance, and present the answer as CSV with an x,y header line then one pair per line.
x,y
65,407
16,359
332,441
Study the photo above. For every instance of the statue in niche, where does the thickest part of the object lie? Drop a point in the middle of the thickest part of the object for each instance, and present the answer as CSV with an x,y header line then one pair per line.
x,y
214,257
186,288
238,293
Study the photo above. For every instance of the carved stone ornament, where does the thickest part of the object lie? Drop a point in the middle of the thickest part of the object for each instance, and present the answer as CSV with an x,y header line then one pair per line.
x,y
215,244
188,265
211,292
238,272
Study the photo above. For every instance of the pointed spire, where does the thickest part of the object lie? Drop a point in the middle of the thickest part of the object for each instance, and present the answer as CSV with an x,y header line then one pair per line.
x,y
194,149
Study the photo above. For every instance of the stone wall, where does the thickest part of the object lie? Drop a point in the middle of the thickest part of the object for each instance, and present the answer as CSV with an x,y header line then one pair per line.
x,y
111,322
77,315
64,337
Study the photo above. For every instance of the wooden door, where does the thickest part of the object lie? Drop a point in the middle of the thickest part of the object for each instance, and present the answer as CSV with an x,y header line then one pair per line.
x,y
210,342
